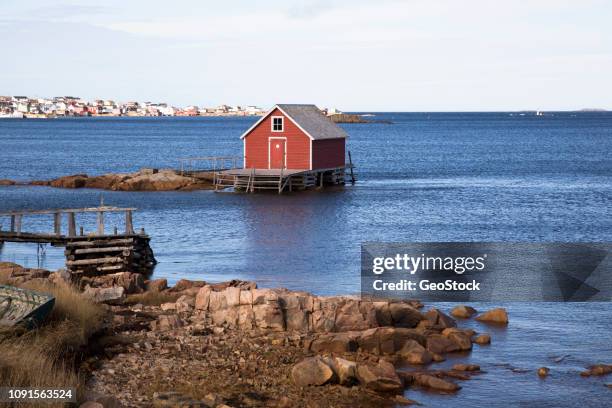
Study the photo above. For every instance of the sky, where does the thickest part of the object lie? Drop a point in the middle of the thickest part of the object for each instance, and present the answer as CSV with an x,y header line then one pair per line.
x,y
355,55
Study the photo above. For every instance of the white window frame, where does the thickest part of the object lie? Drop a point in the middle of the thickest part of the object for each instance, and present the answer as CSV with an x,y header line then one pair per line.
x,y
282,118
270,139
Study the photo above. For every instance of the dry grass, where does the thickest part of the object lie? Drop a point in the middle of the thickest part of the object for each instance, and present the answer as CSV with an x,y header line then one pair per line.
x,y
151,298
46,357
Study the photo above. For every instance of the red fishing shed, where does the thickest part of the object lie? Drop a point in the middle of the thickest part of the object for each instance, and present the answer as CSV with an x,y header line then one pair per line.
x,y
298,137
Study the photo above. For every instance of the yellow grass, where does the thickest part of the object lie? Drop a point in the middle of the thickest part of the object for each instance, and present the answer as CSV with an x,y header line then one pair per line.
x,y
46,357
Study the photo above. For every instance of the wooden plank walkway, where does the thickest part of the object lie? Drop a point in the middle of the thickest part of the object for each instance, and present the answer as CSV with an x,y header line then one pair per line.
x,y
88,254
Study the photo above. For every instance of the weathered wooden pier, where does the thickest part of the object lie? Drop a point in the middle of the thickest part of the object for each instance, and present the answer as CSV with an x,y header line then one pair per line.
x,y
225,173
281,180
88,254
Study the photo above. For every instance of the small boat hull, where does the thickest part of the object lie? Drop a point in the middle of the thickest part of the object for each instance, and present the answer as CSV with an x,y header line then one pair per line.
x,y
24,307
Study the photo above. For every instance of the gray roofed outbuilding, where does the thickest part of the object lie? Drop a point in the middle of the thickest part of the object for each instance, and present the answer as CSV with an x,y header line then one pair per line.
x,y
310,119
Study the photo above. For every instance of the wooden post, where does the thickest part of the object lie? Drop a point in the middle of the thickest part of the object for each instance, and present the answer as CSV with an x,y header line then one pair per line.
x,y
57,223
100,222
351,167
81,230
115,230
18,223
71,224
129,227
12,223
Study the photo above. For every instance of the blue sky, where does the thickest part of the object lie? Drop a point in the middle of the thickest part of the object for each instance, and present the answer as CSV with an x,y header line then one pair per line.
x,y
404,55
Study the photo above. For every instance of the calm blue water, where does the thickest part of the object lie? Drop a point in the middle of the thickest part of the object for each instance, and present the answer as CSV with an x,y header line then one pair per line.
x,y
425,177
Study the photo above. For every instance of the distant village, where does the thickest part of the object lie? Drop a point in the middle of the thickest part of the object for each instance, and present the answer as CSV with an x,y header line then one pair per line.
x,y
63,106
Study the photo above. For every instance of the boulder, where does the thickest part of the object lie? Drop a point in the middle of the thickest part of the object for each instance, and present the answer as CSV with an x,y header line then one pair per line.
x,y
437,318
245,316
184,284
217,301
439,344
543,371
131,282
404,315
482,339
460,338
156,285
463,312
202,299
322,320
466,367
269,316
597,369
184,304
6,182
387,340
297,319
232,296
380,378
311,371
498,315
168,306
383,313
112,295
414,353
430,381
345,370
349,316
334,343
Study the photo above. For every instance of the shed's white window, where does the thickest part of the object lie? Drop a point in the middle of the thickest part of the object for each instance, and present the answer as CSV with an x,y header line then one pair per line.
x,y
277,123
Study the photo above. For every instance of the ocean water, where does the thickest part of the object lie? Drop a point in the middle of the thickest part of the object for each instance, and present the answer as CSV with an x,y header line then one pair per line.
x,y
423,177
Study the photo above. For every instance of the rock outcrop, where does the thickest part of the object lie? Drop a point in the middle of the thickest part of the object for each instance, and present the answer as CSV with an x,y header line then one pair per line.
x,y
143,180
597,369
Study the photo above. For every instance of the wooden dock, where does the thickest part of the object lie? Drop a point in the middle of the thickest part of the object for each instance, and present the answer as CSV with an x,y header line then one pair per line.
x,y
281,180
225,173
88,254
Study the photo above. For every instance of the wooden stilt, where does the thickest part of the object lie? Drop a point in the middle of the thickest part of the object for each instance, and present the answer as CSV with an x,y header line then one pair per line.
x,y
100,222
71,224
129,226
57,223
351,168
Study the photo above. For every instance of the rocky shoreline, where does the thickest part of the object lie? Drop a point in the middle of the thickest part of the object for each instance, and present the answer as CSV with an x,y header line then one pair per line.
x,y
232,344
142,180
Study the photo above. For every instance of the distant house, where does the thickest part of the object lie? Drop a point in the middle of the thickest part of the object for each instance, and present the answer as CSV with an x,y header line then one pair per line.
x,y
298,137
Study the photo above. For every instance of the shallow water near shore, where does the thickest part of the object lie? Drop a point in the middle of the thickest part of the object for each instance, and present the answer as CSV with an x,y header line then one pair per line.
x,y
425,177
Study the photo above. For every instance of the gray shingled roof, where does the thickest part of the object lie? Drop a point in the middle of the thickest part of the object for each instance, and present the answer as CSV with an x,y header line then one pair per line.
x,y
315,123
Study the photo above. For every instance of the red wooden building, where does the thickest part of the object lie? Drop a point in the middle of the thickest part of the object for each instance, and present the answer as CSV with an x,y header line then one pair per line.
x,y
291,147
296,137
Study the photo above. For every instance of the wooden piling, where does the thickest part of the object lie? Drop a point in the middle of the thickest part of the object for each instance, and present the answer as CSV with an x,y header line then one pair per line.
x,y
71,224
100,222
57,223
129,226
